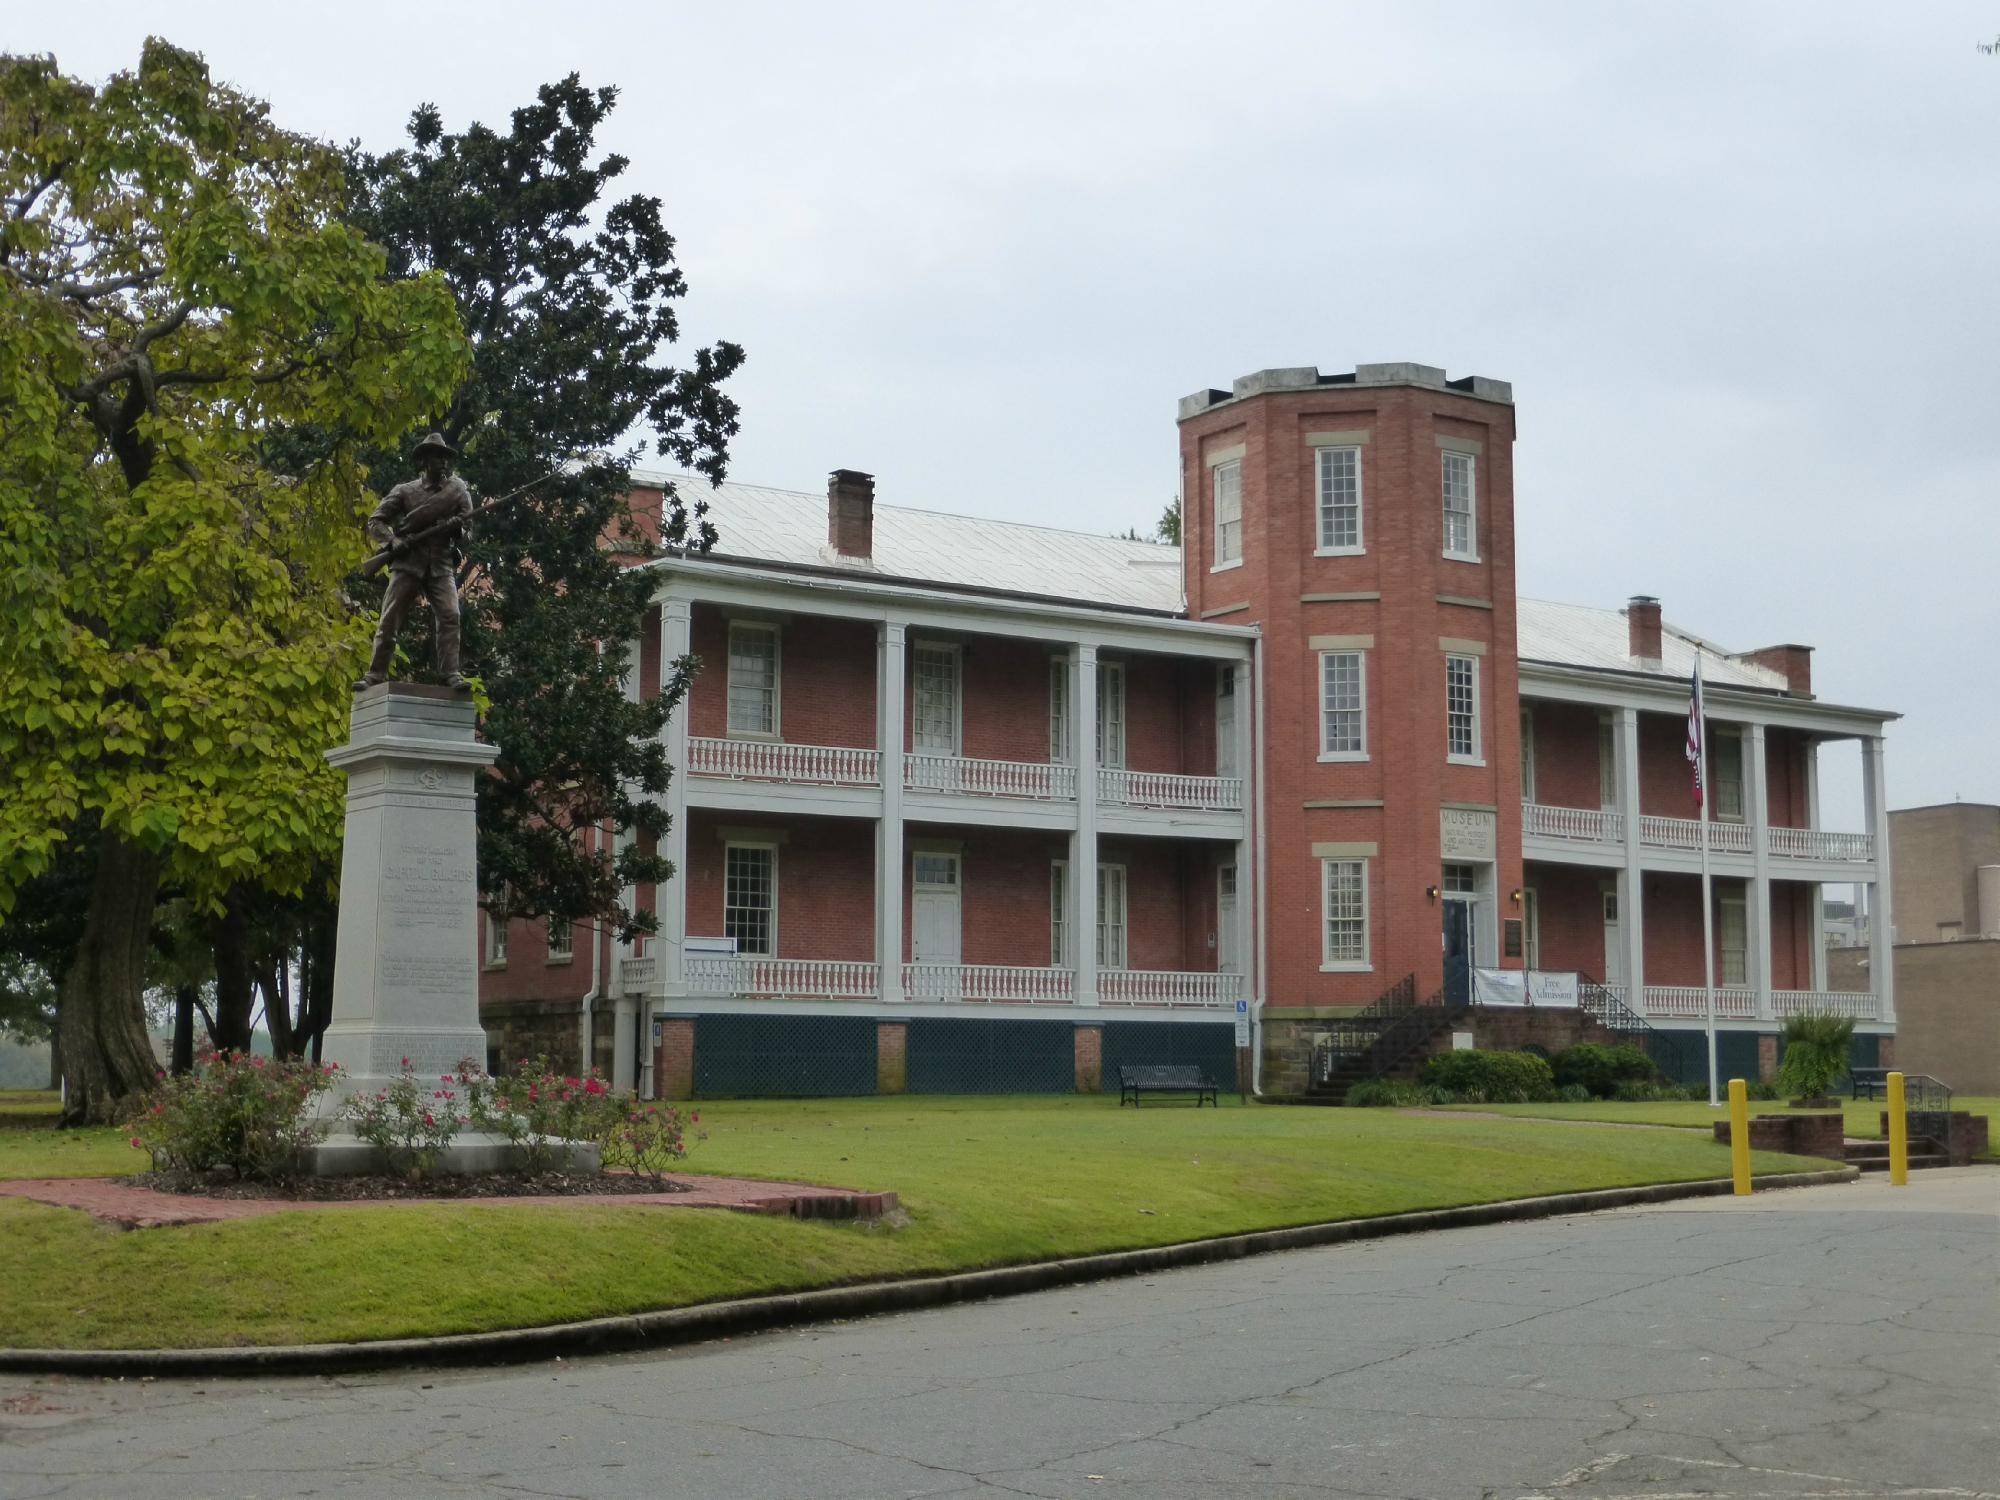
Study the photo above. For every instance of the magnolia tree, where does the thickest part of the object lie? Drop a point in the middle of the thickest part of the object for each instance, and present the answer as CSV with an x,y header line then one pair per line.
x,y
178,292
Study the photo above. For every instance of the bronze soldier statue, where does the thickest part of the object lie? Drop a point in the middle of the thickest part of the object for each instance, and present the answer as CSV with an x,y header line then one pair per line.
x,y
421,522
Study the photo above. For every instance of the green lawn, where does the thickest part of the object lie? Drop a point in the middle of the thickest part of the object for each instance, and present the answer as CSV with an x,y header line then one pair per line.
x,y
28,1106
985,1182
1864,1116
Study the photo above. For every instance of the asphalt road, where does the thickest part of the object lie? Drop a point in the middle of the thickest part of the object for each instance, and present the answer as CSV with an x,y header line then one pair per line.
x,y
1840,1341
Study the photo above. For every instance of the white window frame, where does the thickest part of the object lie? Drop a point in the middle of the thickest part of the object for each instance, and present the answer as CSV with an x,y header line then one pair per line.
x,y
1527,755
1109,876
1323,512
1223,558
955,652
1326,753
1059,920
563,951
1728,774
1328,964
772,633
1226,757
1732,905
1607,766
1477,756
1451,459
1111,695
1062,724
496,934
770,849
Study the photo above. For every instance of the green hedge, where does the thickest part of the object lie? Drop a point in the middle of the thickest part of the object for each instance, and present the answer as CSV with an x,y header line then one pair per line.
x,y
1492,1077
1601,1069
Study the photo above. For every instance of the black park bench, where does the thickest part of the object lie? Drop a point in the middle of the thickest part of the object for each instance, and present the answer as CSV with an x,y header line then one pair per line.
x,y
1164,1078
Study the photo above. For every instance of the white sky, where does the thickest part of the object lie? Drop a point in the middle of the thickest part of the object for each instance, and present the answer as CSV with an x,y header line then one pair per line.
x,y
1736,260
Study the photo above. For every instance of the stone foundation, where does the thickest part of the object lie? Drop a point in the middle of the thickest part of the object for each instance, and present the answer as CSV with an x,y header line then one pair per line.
x,y
1961,1135
1797,1135
1512,1030
530,1028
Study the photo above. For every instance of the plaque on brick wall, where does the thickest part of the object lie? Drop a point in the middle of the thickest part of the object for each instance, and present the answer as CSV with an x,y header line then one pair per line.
x,y
1468,833
1510,937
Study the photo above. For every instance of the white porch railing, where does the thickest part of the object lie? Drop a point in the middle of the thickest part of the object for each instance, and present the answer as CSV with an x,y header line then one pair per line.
x,y
1685,833
769,760
1038,780
1862,1007
1006,984
1168,987
1170,789
1812,843
782,978
1588,825
1687,1002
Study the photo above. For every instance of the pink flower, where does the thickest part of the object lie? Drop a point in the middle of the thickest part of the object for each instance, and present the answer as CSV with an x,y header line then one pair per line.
x,y
444,1078
593,1086
406,1062
256,1062
427,1118
135,1143
696,1117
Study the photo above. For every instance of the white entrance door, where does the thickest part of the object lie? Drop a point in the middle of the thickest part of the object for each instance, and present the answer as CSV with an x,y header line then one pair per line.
x,y
1614,947
934,914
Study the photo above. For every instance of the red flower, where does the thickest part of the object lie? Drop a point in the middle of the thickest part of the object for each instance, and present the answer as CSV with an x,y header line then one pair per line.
x,y
697,1117
406,1062
427,1118
135,1143
593,1086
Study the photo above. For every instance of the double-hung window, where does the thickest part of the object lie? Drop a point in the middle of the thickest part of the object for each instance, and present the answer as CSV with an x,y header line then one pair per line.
x,y
1062,745
1343,705
1527,757
753,679
1110,916
1225,721
1461,709
1111,715
1732,936
1339,501
1059,914
750,897
1229,513
562,939
496,932
1725,773
1461,507
934,702
1344,903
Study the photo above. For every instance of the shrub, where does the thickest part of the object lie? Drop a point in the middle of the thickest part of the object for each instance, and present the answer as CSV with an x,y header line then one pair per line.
x,y
247,1115
1652,1091
1388,1093
1759,1089
1815,1053
412,1121
647,1139
1600,1069
1492,1077
537,1108
1574,1093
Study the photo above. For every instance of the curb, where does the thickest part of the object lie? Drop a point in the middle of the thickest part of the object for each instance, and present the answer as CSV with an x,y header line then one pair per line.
x,y
683,1325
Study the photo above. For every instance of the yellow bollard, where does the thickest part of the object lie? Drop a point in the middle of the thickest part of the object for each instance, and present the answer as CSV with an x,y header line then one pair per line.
x,y
1739,1135
1899,1134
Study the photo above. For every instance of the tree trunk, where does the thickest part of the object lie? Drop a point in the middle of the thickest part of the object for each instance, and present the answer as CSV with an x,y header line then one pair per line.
x,y
277,1001
55,1057
316,950
107,1057
183,1055
235,996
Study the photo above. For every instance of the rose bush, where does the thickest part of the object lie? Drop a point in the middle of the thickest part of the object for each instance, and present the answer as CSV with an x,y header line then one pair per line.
x,y
648,1139
250,1116
412,1121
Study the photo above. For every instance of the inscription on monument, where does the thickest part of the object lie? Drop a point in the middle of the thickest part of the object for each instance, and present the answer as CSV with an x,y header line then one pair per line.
x,y
429,889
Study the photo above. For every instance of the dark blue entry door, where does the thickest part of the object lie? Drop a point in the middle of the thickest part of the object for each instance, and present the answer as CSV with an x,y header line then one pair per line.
x,y
1458,953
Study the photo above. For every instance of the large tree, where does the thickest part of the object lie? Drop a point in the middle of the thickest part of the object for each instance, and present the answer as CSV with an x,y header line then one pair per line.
x,y
569,300
177,285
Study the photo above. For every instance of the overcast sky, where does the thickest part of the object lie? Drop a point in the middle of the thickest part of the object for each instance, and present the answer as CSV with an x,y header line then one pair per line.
x,y
1737,260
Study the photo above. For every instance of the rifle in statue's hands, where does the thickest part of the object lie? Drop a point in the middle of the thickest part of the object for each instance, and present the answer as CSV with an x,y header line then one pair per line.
x,y
450,523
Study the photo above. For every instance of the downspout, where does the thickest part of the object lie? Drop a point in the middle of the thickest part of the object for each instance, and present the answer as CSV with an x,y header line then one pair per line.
x,y
586,1006
1259,846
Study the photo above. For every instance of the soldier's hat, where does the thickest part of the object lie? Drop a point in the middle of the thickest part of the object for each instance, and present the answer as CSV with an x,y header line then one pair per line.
x,y
435,443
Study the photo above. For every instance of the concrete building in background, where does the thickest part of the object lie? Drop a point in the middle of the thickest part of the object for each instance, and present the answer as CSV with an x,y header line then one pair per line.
x,y
1946,903
968,805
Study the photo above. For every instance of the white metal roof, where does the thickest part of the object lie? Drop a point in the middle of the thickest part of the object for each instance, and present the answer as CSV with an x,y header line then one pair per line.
x,y
789,527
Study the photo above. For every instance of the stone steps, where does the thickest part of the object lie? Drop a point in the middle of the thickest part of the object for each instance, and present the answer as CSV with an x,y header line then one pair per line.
x,y
1872,1155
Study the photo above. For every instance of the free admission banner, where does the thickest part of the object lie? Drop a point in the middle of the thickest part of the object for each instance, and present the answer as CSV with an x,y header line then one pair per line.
x,y
1540,988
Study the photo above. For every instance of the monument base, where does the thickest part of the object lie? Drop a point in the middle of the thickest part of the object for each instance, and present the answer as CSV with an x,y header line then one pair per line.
x,y
343,1154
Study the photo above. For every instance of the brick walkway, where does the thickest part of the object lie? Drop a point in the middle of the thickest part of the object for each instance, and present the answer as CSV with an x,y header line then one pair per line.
x,y
132,1207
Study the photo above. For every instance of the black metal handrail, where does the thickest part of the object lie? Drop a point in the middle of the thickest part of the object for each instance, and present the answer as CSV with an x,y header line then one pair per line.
x,y
1921,1091
1355,1036
1602,1004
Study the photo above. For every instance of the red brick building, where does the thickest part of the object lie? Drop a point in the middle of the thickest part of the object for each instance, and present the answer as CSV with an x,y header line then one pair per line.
x,y
1328,751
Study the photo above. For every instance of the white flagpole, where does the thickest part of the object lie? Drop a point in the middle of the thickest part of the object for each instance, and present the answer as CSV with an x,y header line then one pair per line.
x,y
1707,920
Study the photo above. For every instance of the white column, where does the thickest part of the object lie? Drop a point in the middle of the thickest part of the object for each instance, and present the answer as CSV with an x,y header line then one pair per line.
x,y
1818,889
1083,845
1631,901
1881,914
889,687
675,629
1758,908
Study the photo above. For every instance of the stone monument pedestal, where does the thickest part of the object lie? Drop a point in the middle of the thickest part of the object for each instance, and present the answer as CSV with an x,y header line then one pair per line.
x,y
407,957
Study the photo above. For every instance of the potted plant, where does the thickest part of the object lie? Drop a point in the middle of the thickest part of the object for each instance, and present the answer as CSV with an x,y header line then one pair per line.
x,y
1815,1055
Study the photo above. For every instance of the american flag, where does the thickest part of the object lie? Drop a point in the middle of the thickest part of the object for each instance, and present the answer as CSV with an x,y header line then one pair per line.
x,y
1696,738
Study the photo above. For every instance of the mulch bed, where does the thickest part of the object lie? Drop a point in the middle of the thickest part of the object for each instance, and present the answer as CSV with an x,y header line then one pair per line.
x,y
453,1185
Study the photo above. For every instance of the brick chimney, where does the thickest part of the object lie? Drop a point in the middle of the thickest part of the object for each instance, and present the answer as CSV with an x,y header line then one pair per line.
x,y
1793,662
1642,620
850,513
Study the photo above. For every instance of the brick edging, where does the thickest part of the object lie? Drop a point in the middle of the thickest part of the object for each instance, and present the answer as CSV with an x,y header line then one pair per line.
x,y
751,1314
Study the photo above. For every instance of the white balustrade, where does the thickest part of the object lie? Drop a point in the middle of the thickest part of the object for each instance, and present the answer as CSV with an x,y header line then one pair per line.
x,y
966,777
782,978
1688,1002
1170,789
1168,987
771,760
988,984
1863,1007
1813,843
1685,833
1584,824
